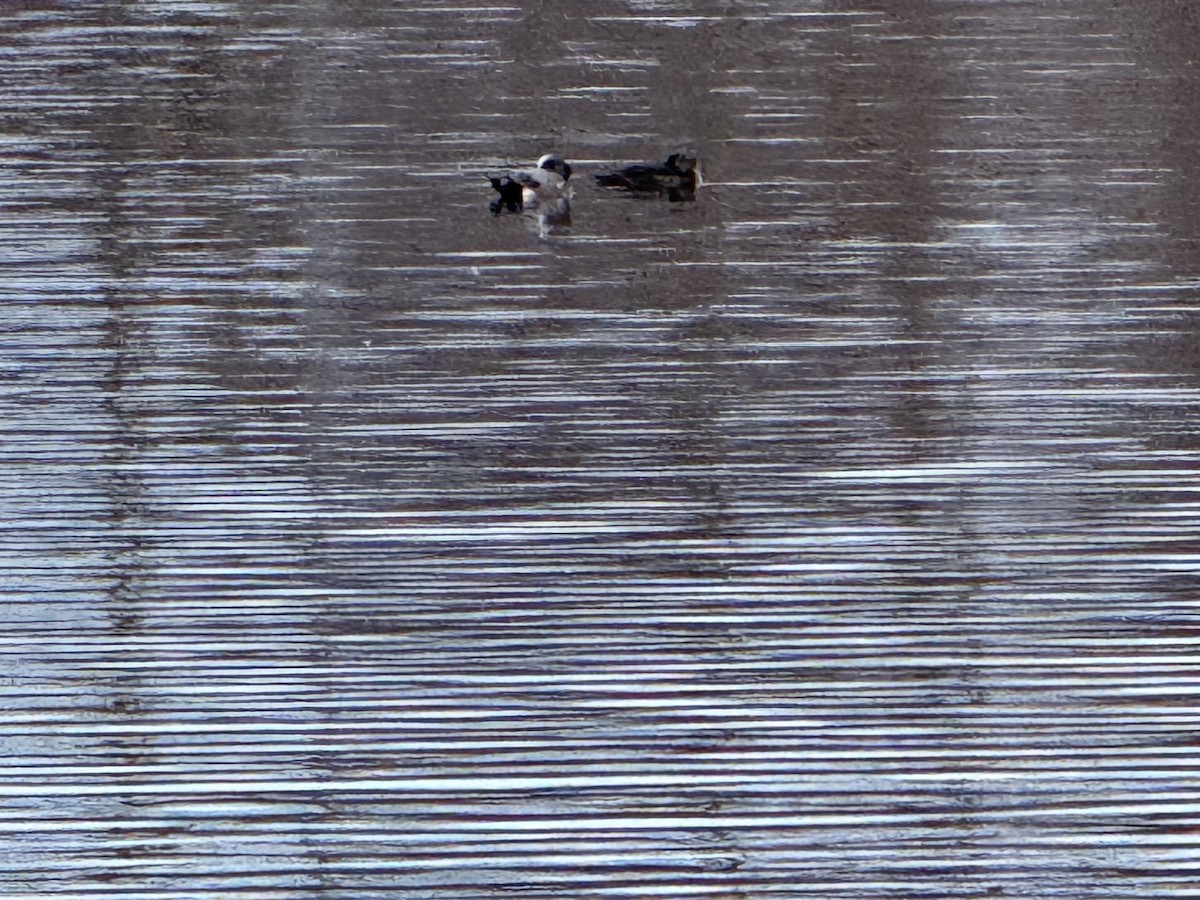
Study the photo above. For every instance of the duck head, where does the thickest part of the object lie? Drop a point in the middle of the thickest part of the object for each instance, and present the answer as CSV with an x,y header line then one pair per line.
x,y
684,161
555,163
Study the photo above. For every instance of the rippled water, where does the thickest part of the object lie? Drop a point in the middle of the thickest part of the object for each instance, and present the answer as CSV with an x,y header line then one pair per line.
x,y
833,535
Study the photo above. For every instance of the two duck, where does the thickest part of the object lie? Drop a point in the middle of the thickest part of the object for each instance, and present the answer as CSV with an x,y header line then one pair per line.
x,y
547,182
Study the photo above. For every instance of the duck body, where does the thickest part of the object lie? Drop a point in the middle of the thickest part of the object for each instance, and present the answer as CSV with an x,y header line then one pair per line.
x,y
676,177
527,187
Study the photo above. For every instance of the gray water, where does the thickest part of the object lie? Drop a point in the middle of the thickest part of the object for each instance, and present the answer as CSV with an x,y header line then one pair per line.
x,y
833,535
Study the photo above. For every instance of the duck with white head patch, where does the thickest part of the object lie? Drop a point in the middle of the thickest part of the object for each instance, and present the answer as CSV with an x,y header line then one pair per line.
x,y
529,187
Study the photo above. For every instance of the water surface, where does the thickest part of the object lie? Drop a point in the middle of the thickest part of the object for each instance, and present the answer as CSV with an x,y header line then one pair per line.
x,y
832,535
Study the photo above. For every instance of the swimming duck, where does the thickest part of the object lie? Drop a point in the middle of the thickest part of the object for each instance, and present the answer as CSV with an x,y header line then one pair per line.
x,y
676,177
547,181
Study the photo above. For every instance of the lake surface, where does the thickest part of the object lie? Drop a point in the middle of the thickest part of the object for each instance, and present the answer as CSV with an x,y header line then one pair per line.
x,y
833,535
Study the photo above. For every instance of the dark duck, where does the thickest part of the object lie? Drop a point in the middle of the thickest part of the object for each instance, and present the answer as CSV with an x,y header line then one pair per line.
x,y
519,188
676,178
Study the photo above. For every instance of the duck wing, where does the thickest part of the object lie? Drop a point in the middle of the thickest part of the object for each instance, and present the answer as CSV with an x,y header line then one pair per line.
x,y
633,178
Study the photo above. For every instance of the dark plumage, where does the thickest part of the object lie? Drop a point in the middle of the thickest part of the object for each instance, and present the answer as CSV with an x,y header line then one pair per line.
x,y
676,177
510,192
